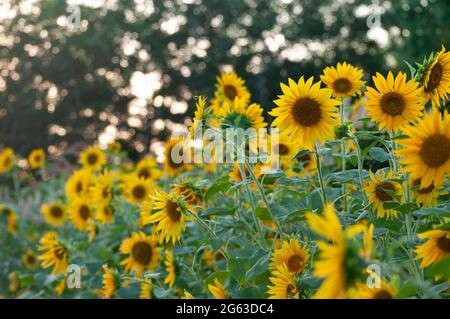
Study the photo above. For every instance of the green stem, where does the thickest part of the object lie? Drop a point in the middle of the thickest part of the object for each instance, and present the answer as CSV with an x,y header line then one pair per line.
x,y
321,181
360,168
202,223
342,118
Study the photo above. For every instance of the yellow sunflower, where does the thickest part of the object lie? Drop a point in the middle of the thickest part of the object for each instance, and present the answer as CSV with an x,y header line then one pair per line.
x,y
146,289
110,282
344,80
425,196
138,189
235,173
217,290
92,158
363,291
101,190
199,115
115,148
436,78
173,159
147,168
79,183
306,112
169,212
306,164
54,253
229,86
12,218
29,260
436,248
211,258
6,160
284,285
239,114
170,268
104,213
143,253
54,213
80,213
293,255
380,189
191,194
395,102
36,159
426,151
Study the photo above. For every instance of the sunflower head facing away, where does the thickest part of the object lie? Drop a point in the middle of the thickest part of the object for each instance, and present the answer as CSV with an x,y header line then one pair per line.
x,y
142,252
92,158
111,282
6,160
36,159
306,112
229,86
344,80
54,213
395,102
291,254
284,285
436,248
54,253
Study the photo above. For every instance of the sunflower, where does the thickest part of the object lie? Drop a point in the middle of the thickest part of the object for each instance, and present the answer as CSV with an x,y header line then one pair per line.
x,y
395,102
168,211
436,248
211,258
426,152
217,290
101,190
79,183
54,213
235,173
138,189
6,160
305,164
284,285
29,260
293,255
435,79
425,196
199,115
54,253
363,291
239,114
12,218
229,86
339,262
110,282
104,213
191,194
146,289
36,159
80,213
344,80
142,251
381,188
170,268
174,163
306,112
92,158
147,168
115,148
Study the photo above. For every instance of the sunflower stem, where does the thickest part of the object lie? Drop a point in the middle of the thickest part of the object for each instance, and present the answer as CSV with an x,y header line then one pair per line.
x,y
342,118
360,169
202,223
319,173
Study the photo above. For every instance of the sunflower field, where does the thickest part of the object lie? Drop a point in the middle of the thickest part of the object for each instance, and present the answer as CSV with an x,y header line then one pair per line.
x,y
358,208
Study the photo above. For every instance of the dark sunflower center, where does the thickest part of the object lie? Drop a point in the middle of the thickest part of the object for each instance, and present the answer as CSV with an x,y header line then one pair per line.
x,y
37,158
108,211
380,191
7,161
172,163
382,294
295,263
173,211
106,191
85,212
79,187
426,190
218,256
56,211
144,173
435,150
92,158
139,192
392,103
342,85
230,92
443,243
283,149
31,259
307,112
435,77
290,291
142,252
305,159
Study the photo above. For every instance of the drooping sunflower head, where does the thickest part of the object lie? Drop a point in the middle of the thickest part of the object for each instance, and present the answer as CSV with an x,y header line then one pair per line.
x,y
147,168
192,194
79,183
138,189
169,262
54,213
436,248
394,102
426,151
229,86
344,80
434,76
142,252
284,285
92,158
111,282
29,260
293,255
36,159
306,112
102,189
54,253
382,188
217,290
6,160
81,213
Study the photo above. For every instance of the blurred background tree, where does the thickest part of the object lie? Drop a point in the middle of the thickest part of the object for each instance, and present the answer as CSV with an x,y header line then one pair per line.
x,y
130,71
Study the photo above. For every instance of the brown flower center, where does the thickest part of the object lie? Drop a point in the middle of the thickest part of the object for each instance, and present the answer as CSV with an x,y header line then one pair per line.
x,y
295,263
283,149
435,150
392,103
106,192
383,294
37,158
380,191
172,210
108,211
426,190
85,212
342,85
139,192
435,77
290,291
305,159
92,158
144,173
56,211
230,92
443,243
31,259
79,187
142,252
307,112
7,161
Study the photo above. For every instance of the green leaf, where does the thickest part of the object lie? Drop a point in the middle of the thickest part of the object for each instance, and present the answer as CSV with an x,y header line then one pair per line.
x,y
441,269
378,154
